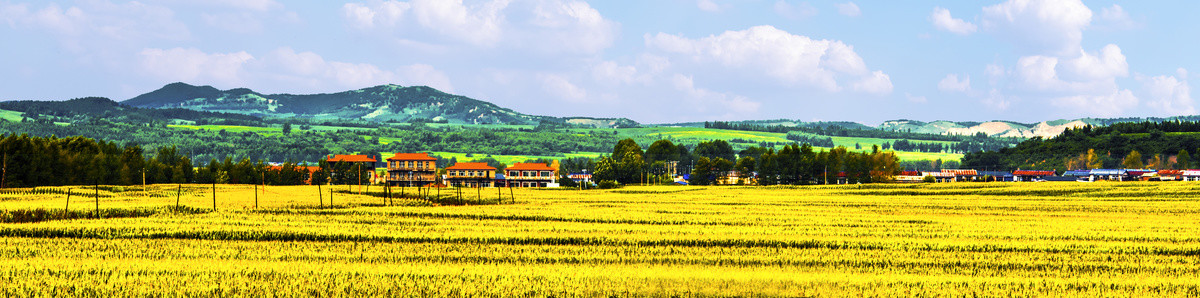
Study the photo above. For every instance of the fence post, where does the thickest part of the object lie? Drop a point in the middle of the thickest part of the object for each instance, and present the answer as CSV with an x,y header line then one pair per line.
x,y
256,196
177,192
68,208
319,195
97,200
214,194
511,195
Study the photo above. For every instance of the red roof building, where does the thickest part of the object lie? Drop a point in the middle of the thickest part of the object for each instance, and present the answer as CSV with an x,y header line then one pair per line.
x,y
1033,173
529,175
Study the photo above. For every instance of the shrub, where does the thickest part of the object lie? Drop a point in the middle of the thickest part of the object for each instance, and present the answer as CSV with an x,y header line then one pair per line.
x,y
929,179
609,184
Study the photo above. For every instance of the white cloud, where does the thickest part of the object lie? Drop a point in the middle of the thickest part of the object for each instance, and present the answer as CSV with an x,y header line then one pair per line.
x,y
566,26
82,27
192,65
1107,64
285,64
943,21
1115,17
704,100
996,100
848,9
797,11
609,72
1087,73
877,83
787,58
915,98
252,5
558,86
708,5
1052,27
1170,95
1103,105
951,83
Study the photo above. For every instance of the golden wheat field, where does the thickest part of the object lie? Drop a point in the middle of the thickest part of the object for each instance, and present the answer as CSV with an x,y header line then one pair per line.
x,y
954,239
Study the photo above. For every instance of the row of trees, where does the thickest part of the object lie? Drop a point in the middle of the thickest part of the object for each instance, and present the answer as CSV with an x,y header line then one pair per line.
x,y
36,161
1098,147
713,161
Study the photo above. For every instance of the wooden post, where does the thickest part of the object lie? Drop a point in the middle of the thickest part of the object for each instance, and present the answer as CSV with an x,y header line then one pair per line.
x,y
511,195
97,200
319,195
68,208
460,201
256,196
499,197
330,197
178,191
387,194
214,194
439,194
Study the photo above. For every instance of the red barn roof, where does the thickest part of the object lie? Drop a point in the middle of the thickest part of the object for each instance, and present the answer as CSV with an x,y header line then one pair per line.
x,y
471,166
412,156
351,158
1033,173
520,166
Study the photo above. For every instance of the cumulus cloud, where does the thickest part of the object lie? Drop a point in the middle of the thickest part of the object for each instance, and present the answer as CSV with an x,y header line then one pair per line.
x,y
569,26
848,9
86,25
1103,105
1115,17
560,87
190,65
803,10
943,21
1046,27
951,83
708,5
915,98
1169,95
704,100
789,59
313,70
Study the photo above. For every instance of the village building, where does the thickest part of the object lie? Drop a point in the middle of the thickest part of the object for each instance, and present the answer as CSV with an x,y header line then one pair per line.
x,y
359,163
1191,175
529,175
470,174
961,175
1001,176
411,169
910,177
1030,175
939,176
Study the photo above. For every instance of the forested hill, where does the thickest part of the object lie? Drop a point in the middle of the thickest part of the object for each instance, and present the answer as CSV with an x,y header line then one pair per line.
x,y
384,103
1160,145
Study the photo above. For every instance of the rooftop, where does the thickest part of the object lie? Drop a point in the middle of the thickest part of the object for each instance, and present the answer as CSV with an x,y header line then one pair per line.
x,y
471,166
412,156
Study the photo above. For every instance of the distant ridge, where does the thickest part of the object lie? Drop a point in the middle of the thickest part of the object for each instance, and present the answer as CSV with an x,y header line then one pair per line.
x,y
384,103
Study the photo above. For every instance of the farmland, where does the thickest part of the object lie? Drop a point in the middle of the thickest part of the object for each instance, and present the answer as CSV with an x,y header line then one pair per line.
x,y
1097,239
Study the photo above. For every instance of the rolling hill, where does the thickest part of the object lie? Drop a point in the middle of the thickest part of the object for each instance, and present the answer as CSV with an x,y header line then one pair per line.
x,y
384,103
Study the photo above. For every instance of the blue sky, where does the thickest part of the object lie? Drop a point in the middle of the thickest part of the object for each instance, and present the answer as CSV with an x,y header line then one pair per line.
x,y
651,61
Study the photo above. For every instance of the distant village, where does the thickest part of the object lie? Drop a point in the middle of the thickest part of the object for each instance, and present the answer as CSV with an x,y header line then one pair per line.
x,y
419,170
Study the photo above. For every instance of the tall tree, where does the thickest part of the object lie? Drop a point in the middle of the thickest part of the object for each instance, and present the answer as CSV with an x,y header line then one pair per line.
x,y
1133,160
1183,160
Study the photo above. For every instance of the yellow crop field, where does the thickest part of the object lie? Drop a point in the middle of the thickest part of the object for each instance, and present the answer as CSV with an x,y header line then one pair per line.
x,y
952,239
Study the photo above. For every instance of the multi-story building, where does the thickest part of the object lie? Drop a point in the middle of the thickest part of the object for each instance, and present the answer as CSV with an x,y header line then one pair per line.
x,y
529,175
411,169
470,174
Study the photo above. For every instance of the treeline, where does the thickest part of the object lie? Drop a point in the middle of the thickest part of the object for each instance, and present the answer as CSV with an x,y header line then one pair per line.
x,y
713,162
811,139
1110,146
36,161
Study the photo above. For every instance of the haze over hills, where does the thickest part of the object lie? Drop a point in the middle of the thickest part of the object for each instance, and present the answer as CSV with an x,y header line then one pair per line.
x,y
393,103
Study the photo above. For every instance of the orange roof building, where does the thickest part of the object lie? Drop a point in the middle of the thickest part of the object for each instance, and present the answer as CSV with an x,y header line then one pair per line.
x,y
529,175
471,174
411,169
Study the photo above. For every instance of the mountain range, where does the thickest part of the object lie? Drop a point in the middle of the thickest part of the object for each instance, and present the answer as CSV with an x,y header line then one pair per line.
x,y
393,103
